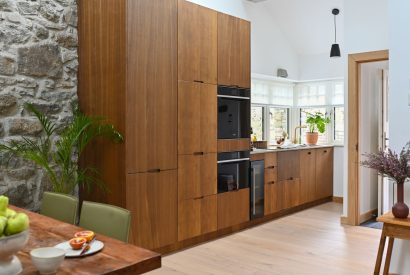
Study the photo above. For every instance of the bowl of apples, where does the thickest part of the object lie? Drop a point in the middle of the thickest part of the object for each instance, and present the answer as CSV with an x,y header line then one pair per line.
x,y
14,235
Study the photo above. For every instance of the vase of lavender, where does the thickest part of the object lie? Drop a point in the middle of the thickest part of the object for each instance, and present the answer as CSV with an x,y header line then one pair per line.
x,y
396,167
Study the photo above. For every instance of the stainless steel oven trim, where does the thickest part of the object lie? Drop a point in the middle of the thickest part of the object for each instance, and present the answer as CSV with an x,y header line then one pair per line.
x,y
234,97
233,160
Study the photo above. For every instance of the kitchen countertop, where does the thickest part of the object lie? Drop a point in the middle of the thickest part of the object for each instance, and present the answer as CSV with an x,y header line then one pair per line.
x,y
272,150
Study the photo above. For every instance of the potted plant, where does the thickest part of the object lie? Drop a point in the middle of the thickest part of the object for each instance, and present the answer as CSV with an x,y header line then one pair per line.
x,y
316,123
58,157
396,167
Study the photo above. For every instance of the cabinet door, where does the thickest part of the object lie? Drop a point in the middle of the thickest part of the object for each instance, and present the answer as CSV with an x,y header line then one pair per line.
x,y
233,208
197,118
307,176
197,217
151,86
233,51
273,197
288,165
291,193
197,43
197,176
324,173
152,200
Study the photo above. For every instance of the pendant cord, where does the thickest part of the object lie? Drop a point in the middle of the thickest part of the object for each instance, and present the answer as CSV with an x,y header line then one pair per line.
x,y
335,27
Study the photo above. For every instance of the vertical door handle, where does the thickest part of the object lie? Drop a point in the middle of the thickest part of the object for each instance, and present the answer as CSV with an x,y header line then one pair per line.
x,y
254,189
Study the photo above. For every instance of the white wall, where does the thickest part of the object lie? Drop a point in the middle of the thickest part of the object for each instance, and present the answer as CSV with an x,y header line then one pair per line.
x,y
338,171
399,109
320,66
269,47
370,99
365,29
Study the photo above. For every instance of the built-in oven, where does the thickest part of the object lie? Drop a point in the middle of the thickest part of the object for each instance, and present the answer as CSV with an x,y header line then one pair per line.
x,y
233,112
233,171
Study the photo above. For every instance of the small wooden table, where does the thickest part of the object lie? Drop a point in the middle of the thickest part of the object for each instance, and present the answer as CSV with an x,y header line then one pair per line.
x,y
116,258
392,228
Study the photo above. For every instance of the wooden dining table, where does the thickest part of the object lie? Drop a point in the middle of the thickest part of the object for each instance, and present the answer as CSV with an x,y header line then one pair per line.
x,y
116,257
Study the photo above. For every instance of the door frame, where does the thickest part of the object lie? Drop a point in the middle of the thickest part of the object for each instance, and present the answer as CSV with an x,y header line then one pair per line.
x,y
354,62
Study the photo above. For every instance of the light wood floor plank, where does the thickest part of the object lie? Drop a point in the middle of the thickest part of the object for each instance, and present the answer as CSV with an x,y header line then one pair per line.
x,y
311,242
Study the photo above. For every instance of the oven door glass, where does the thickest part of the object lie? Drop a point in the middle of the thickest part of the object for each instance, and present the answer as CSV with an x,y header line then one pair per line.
x,y
233,173
233,118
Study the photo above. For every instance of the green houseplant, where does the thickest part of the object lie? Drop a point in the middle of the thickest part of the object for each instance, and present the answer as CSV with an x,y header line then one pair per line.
x,y
316,124
58,157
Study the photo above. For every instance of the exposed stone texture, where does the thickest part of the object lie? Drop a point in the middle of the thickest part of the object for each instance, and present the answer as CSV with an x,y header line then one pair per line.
x,y
7,104
38,64
24,126
40,60
7,65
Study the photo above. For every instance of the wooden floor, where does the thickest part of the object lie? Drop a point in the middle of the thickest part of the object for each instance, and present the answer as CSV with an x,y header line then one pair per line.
x,y
308,242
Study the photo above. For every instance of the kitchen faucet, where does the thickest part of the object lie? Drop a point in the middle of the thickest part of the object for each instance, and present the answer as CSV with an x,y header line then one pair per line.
x,y
295,140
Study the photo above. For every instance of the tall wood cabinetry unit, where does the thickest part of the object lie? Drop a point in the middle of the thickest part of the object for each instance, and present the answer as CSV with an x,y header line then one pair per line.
x,y
197,120
128,74
151,68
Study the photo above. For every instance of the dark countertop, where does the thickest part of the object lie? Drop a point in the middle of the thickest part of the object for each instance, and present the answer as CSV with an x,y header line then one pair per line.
x,y
305,147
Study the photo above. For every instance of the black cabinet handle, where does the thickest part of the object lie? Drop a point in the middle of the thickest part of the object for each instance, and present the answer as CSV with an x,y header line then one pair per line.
x,y
198,153
198,81
325,151
271,167
309,153
271,182
154,171
199,198
291,178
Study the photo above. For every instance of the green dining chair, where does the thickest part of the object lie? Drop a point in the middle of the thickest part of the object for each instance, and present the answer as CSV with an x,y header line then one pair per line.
x,y
61,207
105,219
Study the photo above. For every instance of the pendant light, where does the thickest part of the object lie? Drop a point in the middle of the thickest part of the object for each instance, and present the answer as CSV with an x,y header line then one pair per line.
x,y
335,51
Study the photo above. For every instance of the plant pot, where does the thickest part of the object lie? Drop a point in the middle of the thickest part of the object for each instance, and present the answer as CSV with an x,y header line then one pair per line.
x,y
311,138
400,209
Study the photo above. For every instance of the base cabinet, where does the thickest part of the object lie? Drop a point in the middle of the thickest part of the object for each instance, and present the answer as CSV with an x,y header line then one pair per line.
x,y
233,208
324,173
307,176
290,193
273,198
197,217
153,201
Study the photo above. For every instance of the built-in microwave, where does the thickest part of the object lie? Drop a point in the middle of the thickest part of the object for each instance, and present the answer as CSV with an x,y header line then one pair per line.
x,y
233,171
234,106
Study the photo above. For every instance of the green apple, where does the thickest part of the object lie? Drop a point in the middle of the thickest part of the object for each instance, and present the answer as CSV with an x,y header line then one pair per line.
x,y
10,213
3,223
4,203
17,224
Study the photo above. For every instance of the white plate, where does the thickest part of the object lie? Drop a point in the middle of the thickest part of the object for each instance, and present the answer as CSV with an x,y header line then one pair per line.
x,y
96,246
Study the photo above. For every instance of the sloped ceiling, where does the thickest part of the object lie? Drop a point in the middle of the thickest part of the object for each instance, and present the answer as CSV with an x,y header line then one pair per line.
x,y
307,24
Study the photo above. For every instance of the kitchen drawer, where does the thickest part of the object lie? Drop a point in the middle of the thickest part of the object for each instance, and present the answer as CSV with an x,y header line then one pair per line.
x,y
270,160
197,217
233,208
273,197
271,174
288,165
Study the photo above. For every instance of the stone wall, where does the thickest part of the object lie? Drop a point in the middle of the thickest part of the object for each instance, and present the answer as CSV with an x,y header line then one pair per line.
x,y
38,64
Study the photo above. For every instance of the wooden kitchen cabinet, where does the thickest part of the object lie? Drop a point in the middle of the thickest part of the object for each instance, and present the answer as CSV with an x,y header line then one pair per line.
x,y
152,85
197,176
290,193
197,118
233,208
197,217
234,48
153,201
307,176
273,197
197,43
324,173
288,165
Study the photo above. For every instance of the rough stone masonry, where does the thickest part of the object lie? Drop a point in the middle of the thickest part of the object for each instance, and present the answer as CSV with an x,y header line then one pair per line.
x,y
38,64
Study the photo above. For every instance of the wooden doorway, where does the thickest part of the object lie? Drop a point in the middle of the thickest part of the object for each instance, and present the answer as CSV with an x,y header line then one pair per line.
x,y
354,62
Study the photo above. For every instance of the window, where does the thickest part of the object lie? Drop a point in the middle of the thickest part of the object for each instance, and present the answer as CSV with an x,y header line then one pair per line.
x,y
338,122
323,138
278,122
257,121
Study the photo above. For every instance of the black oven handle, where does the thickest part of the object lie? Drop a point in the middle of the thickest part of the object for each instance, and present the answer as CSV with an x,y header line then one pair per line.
x,y
233,160
235,97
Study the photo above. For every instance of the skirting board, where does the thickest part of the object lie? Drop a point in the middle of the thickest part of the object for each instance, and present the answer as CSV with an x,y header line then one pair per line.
x,y
367,216
344,220
337,199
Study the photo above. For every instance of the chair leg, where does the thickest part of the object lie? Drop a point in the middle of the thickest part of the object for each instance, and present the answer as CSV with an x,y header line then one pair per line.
x,y
380,254
388,256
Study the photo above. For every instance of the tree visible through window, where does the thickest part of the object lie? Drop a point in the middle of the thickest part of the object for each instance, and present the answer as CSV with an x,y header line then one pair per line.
x,y
257,121
278,123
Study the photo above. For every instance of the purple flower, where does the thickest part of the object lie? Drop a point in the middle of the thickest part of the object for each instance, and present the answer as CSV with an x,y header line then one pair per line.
x,y
390,164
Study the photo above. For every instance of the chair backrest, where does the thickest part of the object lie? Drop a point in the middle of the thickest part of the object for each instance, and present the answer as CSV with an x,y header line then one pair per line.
x,y
61,207
105,219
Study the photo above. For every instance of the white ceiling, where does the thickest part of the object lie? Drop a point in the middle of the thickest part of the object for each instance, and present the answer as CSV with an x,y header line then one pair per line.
x,y
307,24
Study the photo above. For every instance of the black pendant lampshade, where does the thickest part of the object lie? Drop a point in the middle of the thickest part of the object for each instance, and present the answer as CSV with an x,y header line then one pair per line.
x,y
335,51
